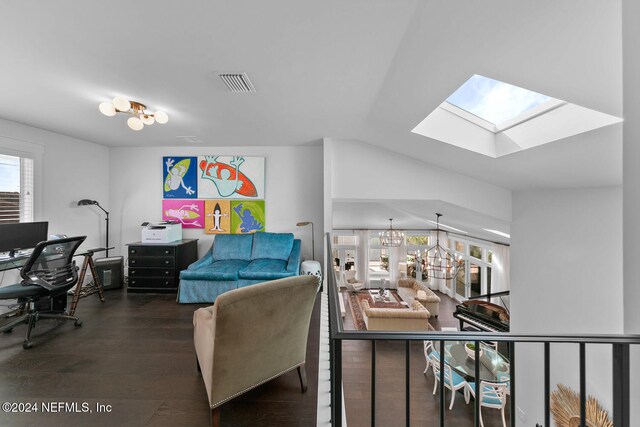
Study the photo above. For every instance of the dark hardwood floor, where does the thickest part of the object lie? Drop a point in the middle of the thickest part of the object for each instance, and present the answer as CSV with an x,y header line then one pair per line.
x,y
390,382
135,353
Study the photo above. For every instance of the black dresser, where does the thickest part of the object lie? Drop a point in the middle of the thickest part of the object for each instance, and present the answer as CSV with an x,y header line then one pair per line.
x,y
155,267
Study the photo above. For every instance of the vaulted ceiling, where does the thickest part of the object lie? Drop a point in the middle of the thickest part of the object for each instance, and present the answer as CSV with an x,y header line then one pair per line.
x,y
360,69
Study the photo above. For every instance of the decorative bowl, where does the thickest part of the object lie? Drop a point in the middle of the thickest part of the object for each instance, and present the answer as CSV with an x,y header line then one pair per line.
x,y
470,348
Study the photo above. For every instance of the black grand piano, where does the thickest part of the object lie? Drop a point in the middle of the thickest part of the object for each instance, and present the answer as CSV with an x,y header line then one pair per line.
x,y
483,315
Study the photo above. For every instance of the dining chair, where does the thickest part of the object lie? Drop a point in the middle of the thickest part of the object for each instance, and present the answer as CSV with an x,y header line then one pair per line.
x,y
452,380
429,349
492,395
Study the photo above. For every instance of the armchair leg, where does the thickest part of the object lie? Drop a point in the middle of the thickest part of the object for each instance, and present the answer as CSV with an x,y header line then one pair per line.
x,y
215,417
302,374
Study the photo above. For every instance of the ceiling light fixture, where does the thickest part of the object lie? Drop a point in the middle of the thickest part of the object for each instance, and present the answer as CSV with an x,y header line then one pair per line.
x,y
140,117
442,263
391,238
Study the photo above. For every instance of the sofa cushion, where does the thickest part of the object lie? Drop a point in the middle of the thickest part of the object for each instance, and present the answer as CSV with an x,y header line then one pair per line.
x,y
266,269
232,247
219,270
272,246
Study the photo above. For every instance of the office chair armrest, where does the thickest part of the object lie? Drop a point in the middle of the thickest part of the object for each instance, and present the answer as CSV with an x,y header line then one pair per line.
x,y
35,280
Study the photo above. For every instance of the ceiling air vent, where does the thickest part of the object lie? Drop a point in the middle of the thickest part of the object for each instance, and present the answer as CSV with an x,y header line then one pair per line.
x,y
237,82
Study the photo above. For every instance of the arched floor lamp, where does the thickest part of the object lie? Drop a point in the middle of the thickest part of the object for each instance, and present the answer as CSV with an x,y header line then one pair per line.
x,y
86,202
313,246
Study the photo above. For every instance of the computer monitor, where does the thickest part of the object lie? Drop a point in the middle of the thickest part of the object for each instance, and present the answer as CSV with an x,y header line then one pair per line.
x,y
24,235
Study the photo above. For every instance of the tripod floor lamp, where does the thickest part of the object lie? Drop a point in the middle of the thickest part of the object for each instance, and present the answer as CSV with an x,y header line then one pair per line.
x,y
86,202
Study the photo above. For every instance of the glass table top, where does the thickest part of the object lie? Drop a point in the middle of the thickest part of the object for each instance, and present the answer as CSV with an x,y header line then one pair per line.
x,y
493,365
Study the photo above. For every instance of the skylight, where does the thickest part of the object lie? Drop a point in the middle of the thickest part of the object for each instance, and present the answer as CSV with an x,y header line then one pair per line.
x,y
495,118
495,101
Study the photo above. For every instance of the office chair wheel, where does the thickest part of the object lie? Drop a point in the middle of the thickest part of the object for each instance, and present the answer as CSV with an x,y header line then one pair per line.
x,y
77,323
27,345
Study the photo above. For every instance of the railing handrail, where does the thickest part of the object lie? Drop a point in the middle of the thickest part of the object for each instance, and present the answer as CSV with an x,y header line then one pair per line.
x,y
338,331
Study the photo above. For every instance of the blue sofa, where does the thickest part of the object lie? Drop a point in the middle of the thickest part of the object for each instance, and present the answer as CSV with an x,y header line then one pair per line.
x,y
238,260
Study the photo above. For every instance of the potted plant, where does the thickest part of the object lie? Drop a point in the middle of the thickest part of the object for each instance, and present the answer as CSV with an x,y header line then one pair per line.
x,y
470,348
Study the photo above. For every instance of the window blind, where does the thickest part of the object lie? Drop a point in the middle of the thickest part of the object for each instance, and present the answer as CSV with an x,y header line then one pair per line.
x,y
16,189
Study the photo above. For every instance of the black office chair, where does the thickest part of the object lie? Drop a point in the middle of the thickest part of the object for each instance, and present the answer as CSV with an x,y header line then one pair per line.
x,y
47,276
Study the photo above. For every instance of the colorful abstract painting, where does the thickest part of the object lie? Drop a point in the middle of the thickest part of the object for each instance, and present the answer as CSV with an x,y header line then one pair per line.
x,y
217,216
247,216
230,177
188,212
180,177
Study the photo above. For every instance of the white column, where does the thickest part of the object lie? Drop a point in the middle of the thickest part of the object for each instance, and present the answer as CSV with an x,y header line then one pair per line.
x,y
362,257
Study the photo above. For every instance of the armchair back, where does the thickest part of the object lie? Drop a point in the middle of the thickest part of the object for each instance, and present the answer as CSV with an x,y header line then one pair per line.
x,y
253,334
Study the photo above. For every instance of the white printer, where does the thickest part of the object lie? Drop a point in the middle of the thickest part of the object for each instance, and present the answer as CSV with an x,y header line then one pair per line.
x,y
161,232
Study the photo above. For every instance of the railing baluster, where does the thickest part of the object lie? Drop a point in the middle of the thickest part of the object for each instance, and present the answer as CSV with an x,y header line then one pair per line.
x,y
547,384
441,383
373,383
407,392
336,383
621,374
512,377
476,372
583,387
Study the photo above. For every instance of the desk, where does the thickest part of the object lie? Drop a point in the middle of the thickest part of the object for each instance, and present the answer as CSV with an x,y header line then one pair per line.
x,y
493,365
16,262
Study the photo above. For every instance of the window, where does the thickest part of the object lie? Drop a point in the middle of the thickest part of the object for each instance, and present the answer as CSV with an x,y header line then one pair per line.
x,y
16,189
495,101
417,246
475,251
378,258
344,252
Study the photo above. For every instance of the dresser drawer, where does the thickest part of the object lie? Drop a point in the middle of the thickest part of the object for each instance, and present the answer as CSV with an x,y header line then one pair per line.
x,y
135,251
151,272
148,282
147,261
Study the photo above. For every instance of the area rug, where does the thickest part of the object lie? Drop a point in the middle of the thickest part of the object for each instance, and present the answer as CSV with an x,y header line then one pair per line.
x,y
356,312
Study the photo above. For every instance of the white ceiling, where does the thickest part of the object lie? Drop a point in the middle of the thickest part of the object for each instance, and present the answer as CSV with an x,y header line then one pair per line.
x,y
360,69
415,215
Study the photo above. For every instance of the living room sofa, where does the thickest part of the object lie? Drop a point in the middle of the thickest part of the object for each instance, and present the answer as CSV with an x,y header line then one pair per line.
x,y
408,290
239,260
415,318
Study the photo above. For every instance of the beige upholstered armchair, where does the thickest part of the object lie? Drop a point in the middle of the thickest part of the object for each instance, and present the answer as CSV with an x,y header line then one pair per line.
x,y
252,335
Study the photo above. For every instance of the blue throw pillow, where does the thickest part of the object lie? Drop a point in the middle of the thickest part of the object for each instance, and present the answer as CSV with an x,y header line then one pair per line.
x,y
272,246
232,246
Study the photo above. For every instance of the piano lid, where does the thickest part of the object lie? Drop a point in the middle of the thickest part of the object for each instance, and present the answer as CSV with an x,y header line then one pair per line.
x,y
485,309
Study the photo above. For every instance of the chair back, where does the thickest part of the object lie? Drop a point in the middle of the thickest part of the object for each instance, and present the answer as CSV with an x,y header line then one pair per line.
x,y
493,395
51,264
259,332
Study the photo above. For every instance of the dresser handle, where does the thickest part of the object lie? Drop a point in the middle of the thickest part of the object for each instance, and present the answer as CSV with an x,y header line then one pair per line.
x,y
166,262
166,252
166,273
133,282
166,283
133,251
133,261
133,272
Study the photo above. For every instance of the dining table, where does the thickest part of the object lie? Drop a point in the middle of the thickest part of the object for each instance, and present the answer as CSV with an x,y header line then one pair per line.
x,y
494,366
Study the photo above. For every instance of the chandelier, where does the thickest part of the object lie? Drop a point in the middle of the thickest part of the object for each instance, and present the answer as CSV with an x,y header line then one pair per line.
x,y
442,263
137,111
391,238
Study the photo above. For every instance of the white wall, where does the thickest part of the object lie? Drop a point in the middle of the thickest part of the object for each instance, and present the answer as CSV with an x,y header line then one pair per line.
x,y
66,170
293,191
363,171
631,178
566,277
